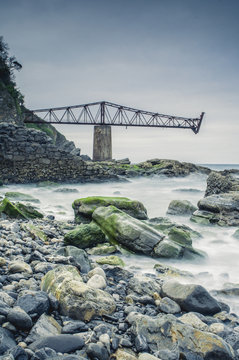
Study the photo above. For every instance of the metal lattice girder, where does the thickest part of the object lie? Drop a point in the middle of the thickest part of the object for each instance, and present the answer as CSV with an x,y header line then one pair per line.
x,y
106,113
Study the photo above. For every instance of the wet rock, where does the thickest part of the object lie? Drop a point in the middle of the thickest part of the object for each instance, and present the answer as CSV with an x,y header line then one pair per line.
x,y
76,299
126,230
191,297
97,271
59,343
19,318
123,354
85,236
181,207
85,207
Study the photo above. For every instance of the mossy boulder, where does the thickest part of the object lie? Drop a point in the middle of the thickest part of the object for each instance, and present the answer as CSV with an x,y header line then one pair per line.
x,y
18,196
85,207
76,299
122,228
111,260
85,236
102,249
204,217
18,210
181,207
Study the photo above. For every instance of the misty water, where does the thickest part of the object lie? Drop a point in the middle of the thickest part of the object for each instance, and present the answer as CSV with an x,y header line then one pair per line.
x,y
221,266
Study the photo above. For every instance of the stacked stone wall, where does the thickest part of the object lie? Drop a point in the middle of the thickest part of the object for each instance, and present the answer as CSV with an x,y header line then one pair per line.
x,y
28,155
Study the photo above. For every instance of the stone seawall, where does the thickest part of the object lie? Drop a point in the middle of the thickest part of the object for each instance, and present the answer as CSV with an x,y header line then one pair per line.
x,y
28,155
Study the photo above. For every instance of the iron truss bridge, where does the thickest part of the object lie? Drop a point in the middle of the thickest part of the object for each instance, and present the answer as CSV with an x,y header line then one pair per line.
x,y
106,113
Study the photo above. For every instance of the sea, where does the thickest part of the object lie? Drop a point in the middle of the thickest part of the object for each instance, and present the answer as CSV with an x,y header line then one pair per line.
x,y
218,271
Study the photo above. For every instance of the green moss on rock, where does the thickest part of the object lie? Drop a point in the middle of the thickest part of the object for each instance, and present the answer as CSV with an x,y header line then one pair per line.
x,y
18,210
85,207
111,260
85,236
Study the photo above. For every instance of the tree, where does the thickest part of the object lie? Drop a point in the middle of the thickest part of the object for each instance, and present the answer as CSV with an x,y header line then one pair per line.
x,y
8,64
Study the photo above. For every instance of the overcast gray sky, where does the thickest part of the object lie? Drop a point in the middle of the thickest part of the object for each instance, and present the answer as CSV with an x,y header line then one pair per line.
x,y
170,56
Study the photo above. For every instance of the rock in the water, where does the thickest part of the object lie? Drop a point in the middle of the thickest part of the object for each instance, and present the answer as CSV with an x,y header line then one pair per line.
x,y
167,332
60,343
85,236
236,234
181,207
126,230
18,210
191,297
17,196
222,209
218,184
85,207
19,318
76,299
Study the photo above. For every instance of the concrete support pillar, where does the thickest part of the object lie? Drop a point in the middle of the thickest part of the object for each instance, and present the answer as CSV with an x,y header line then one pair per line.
x,y
102,148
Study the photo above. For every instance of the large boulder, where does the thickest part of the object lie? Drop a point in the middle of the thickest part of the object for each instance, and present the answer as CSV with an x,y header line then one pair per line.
x,y
126,230
141,237
221,209
181,207
166,332
18,210
85,236
191,297
85,207
218,184
76,299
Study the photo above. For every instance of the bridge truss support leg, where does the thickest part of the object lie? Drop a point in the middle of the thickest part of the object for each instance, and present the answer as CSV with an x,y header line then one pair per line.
x,y
102,148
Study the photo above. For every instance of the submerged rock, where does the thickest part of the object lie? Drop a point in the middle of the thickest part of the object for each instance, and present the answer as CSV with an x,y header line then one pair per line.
x,y
181,207
85,207
221,209
18,196
76,299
